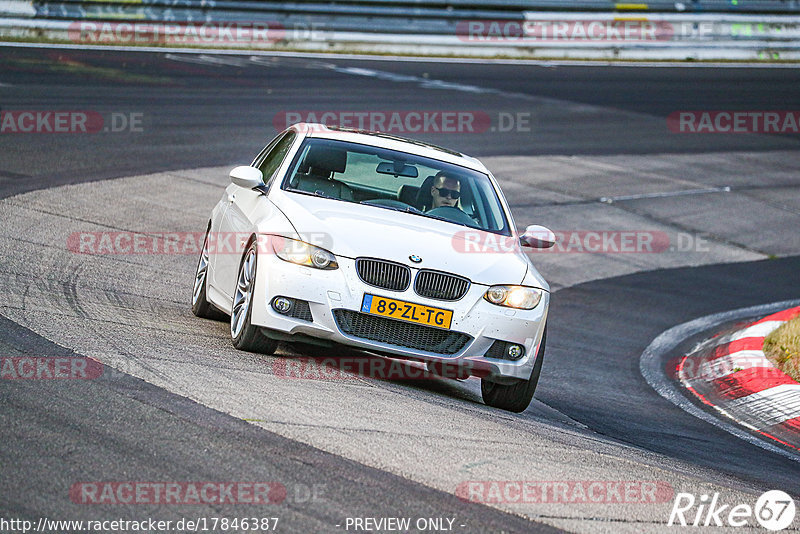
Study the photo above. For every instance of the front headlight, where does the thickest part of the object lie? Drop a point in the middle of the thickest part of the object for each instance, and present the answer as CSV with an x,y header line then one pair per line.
x,y
525,298
302,253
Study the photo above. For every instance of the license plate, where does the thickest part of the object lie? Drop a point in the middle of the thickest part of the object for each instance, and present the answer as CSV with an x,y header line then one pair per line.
x,y
406,311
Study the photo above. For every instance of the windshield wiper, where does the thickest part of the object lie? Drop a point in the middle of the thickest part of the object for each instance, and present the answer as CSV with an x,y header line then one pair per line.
x,y
317,193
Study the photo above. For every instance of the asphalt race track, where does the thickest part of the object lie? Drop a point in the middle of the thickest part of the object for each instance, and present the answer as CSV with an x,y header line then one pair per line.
x,y
177,403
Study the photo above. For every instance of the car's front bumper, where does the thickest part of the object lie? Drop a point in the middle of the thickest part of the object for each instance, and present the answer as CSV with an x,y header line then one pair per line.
x,y
342,289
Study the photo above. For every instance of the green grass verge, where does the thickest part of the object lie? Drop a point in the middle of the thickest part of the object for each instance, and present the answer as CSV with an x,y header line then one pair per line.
x,y
782,347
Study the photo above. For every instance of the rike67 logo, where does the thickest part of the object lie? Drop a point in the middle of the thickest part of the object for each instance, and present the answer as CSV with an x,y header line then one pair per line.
x,y
774,510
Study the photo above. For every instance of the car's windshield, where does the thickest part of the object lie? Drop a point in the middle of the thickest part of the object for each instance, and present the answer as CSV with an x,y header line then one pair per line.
x,y
401,181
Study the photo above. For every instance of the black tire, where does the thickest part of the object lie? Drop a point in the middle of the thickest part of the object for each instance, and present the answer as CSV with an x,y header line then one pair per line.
x,y
200,305
514,397
246,336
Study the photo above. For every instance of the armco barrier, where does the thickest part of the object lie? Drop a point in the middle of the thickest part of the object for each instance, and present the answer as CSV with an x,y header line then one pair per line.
x,y
406,8
748,30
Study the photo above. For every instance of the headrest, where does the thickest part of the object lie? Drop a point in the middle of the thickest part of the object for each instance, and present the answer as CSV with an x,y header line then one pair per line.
x,y
424,199
323,158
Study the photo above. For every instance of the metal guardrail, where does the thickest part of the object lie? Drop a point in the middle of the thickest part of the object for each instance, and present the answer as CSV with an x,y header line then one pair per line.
x,y
390,16
432,17
514,28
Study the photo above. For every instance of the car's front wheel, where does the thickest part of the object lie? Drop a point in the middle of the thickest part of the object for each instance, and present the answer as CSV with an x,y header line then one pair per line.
x,y
514,397
245,336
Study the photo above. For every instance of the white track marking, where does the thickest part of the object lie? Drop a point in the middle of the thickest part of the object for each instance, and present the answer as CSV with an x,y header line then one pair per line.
x,y
667,194
205,59
426,83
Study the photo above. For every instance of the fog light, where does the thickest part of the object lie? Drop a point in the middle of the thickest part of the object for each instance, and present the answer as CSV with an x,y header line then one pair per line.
x,y
515,352
282,305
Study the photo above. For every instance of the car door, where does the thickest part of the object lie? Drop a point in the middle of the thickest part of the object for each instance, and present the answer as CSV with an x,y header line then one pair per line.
x,y
238,217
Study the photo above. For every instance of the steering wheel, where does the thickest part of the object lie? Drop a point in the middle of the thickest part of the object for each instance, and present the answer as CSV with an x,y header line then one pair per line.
x,y
453,214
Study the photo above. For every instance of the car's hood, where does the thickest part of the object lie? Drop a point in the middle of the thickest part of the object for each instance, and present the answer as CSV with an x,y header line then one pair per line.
x,y
354,230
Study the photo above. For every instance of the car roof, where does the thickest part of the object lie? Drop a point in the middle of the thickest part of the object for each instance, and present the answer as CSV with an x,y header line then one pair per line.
x,y
392,142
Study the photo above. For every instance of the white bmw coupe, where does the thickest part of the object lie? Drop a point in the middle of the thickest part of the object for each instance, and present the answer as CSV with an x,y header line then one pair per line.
x,y
397,247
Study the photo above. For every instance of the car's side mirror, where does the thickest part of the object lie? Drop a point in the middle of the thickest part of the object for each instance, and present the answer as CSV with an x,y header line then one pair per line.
x,y
245,176
536,236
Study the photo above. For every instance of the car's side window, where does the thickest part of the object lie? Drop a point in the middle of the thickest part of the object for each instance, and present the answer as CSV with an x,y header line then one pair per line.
x,y
276,155
266,150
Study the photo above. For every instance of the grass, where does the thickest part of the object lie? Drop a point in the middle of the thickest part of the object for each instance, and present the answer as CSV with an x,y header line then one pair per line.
x,y
782,347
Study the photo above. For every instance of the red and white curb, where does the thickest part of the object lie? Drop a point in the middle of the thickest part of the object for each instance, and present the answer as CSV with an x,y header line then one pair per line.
x,y
731,374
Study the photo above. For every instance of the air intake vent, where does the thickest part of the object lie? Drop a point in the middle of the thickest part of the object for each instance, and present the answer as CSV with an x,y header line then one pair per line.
x,y
400,333
440,286
383,274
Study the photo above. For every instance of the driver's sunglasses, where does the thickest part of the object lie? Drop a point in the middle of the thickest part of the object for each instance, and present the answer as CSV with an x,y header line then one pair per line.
x,y
452,193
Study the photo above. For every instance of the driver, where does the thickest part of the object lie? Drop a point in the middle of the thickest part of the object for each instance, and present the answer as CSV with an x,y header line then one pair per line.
x,y
446,190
